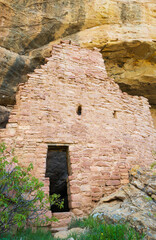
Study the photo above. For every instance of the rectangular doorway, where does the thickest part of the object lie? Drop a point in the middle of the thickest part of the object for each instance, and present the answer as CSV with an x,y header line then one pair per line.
x,y
57,171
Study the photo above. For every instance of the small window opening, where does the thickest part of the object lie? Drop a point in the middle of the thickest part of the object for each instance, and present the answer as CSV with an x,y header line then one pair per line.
x,y
115,114
79,110
57,171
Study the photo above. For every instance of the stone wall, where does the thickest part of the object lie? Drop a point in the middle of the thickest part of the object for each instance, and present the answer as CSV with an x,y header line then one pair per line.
x,y
114,131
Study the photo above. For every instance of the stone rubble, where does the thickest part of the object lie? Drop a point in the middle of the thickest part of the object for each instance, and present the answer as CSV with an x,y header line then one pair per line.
x,y
65,234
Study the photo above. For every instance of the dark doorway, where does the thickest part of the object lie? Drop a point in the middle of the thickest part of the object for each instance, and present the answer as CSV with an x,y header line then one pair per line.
x,y
57,171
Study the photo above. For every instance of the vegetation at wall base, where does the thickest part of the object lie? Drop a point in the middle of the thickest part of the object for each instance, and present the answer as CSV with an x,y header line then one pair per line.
x,y
22,199
95,230
98,229
28,234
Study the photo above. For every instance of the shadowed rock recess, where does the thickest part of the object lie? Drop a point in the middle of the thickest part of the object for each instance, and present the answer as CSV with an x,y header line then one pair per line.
x,y
4,116
124,31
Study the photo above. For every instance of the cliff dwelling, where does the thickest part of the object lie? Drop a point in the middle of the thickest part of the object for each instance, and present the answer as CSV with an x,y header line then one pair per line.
x,y
80,131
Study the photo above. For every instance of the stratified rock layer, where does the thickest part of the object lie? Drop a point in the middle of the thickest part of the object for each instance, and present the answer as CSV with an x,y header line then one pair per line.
x,y
124,30
134,203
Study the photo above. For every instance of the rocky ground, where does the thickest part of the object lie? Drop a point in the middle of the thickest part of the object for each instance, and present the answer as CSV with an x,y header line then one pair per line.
x,y
134,203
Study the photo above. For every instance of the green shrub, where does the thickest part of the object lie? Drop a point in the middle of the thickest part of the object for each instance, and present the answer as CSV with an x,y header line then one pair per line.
x,y
22,199
96,229
28,234
153,165
100,230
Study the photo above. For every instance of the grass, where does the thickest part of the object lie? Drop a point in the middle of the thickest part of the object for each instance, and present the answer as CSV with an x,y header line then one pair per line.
x,y
147,198
96,229
28,234
100,230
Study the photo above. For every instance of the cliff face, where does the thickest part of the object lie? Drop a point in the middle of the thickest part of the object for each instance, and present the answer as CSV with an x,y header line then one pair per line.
x,y
124,31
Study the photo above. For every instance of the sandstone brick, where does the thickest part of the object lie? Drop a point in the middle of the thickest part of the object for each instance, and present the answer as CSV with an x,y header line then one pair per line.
x,y
86,201
85,188
115,177
96,178
62,223
70,178
124,181
78,212
74,189
123,170
75,205
76,197
102,164
113,182
96,189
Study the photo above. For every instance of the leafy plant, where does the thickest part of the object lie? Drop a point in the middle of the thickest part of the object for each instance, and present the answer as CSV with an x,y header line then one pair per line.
x,y
22,199
28,234
96,229
153,165
147,198
99,229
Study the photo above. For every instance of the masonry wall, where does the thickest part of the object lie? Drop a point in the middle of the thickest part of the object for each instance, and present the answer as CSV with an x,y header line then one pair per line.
x,y
114,132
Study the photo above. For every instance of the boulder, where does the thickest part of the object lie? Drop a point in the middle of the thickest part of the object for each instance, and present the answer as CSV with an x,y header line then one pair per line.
x,y
65,234
133,203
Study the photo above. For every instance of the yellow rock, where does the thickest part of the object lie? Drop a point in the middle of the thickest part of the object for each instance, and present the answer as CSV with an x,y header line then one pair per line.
x,y
124,30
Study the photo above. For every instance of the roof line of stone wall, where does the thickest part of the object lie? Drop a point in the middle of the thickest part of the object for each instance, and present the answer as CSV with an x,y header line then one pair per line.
x,y
65,43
